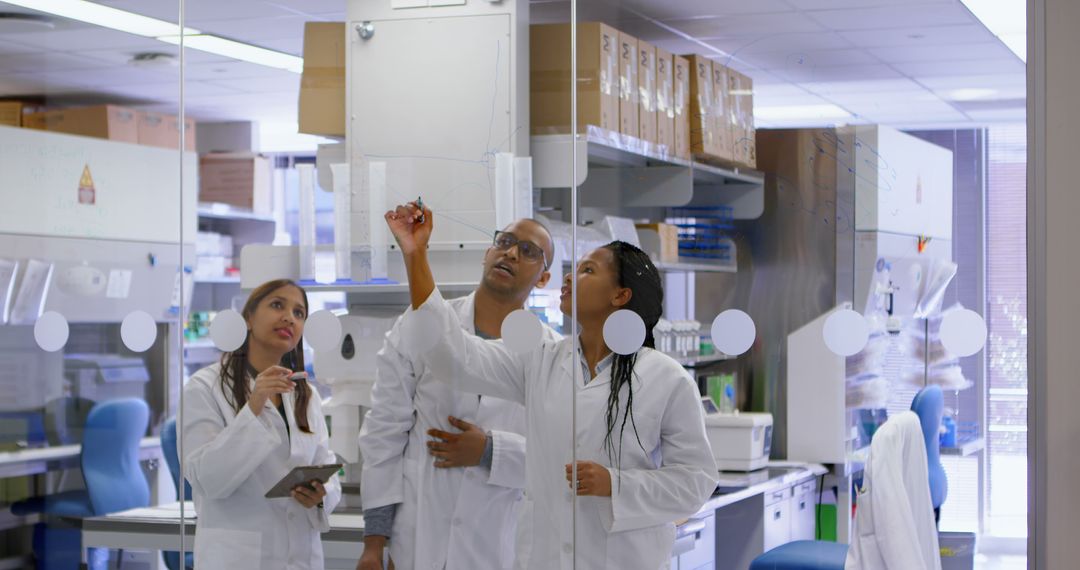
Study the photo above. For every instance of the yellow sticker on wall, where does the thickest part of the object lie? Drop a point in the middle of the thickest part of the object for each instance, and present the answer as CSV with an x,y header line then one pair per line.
x,y
86,187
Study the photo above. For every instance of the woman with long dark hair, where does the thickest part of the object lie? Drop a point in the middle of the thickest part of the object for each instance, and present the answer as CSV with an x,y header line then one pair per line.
x,y
246,424
643,457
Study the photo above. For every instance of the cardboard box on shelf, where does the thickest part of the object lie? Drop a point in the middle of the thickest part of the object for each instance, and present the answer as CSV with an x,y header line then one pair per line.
x,y
11,113
647,116
722,128
741,95
661,241
665,103
237,179
110,122
322,85
628,85
163,130
702,128
681,96
549,77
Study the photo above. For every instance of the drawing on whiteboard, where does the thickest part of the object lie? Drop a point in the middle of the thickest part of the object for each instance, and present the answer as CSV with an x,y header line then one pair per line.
x,y
86,187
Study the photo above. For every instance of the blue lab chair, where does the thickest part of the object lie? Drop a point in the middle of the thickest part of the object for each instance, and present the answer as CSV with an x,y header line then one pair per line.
x,y
928,404
114,480
172,459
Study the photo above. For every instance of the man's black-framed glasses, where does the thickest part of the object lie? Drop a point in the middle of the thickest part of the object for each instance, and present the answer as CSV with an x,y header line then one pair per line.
x,y
529,250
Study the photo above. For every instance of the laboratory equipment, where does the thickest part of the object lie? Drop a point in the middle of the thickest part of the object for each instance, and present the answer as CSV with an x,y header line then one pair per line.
x,y
740,441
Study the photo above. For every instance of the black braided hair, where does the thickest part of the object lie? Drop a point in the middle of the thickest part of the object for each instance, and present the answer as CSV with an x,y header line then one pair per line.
x,y
635,271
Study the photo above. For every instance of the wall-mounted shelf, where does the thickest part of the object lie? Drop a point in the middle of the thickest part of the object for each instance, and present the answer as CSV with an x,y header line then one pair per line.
x,y
701,361
225,280
965,448
214,211
696,266
616,170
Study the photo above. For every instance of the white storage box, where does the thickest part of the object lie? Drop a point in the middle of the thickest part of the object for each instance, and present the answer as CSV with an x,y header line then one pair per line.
x,y
740,441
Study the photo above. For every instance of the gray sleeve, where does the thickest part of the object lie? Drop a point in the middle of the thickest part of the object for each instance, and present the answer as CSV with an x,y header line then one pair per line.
x,y
489,452
379,521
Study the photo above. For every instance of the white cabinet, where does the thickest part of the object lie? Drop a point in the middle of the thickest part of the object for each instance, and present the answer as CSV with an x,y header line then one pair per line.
x,y
803,508
695,544
777,518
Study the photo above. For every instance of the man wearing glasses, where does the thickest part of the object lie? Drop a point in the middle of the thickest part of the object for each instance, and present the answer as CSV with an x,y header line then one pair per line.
x,y
444,470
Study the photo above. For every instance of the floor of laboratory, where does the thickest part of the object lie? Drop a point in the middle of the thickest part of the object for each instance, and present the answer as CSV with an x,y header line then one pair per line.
x,y
1000,562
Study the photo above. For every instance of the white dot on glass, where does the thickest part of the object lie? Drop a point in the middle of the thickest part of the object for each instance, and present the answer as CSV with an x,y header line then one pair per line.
x,y
963,332
522,331
733,332
322,331
624,332
228,330
51,331
846,332
138,331
421,329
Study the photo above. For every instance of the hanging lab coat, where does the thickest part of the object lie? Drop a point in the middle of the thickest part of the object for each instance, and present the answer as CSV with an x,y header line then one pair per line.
x,y
671,478
458,518
231,460
894,519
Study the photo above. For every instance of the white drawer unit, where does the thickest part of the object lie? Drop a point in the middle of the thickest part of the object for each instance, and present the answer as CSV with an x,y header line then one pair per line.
x,y
777,521
803,509
695,544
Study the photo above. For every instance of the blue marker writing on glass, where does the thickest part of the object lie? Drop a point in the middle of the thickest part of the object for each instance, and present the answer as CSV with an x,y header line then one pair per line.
x,y
420,204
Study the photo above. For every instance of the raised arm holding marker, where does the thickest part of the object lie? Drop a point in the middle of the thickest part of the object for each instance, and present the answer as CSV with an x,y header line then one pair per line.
x,y
420,204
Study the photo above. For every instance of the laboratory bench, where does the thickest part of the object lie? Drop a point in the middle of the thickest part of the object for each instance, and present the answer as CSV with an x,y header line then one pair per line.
x,y
749,514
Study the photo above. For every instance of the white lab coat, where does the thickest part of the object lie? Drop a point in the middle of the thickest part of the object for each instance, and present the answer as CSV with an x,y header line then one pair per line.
x,y
231,460
894,519
461,518
670,479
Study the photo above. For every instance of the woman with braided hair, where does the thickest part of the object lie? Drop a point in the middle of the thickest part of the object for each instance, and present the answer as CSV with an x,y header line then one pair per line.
x,y
643,457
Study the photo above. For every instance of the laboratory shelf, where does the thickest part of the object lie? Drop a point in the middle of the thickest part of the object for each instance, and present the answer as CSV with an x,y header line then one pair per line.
x,y
701,360
362,288
215,211
702,266
618,170
224,280
965,448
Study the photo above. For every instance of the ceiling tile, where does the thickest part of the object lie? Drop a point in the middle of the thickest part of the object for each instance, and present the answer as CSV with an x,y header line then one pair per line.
x,y
855,99
894,16
809,59
999,115
838,73
319,8
169,10
704,8
894,106
919,36
956,52
107,76
1013,81
870,86
763,99
781,42
228,70
746,24
122,57
254,29
46,62
84,39
940,68
835,4
294,46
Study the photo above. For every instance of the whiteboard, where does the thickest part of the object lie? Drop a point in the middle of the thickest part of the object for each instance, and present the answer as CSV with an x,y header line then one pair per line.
x,y
136,189
431,97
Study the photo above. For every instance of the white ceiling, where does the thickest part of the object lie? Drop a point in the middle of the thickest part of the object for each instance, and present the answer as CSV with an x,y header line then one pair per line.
x,y
888,61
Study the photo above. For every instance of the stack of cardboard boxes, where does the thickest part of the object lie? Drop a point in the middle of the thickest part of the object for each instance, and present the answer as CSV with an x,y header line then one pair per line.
x,y
114,123
690,107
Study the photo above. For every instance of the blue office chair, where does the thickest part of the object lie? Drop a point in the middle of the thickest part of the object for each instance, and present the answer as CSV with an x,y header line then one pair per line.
x,y
110,466
929,404
818,555
172,459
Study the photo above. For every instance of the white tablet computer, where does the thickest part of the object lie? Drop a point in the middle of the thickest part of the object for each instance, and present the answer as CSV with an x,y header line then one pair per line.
x,y
302,476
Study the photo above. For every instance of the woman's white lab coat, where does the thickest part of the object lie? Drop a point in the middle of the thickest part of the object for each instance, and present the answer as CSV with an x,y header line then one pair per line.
x,y
452,518
231,460
671,478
